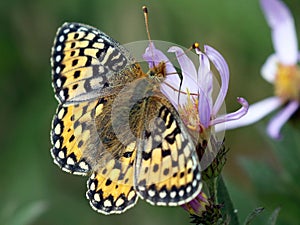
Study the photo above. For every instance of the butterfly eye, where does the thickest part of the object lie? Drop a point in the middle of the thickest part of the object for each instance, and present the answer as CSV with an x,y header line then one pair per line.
x,y
152,74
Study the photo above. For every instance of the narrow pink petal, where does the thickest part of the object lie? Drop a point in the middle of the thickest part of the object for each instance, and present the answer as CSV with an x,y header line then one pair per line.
x,y
208,89
205,85
234,115
204,108
205,77
269,69
154,56
186,64
189,74
255,113
204,69
284,34
280,119
223,70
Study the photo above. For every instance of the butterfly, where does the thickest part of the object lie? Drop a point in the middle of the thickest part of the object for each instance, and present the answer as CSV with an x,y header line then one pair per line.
x,y
114,125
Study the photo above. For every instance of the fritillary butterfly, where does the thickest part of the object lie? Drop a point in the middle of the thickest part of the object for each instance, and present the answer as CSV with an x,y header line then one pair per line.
x,y
113,124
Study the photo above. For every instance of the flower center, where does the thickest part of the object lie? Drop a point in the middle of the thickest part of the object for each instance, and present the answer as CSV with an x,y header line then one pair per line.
x,y
287,82
189,113
190,117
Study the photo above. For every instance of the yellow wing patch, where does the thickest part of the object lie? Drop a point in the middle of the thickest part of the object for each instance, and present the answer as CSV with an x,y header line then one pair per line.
x,y
71,130
110,189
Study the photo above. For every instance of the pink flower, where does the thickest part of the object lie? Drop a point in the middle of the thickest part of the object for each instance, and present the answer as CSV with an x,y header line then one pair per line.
x,y
198,205
194,101
280,69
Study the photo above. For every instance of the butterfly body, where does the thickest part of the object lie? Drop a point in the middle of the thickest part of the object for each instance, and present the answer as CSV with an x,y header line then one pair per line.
x,y
114,124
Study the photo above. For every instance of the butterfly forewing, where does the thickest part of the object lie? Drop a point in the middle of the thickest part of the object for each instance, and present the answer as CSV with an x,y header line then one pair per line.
x,y
167,170
84,62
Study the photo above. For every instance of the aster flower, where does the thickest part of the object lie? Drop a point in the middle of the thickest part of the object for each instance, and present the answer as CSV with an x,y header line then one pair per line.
x,y
280,69
194,100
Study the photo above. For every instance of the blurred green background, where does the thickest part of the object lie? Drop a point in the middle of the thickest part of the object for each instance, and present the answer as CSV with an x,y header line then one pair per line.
x,y
35,191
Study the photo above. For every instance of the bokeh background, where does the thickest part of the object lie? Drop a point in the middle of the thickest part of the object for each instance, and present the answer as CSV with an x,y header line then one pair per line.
x,y
33,190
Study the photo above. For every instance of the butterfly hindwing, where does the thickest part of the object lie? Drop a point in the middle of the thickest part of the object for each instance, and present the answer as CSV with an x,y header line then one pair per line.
x,y
74,135
111,189
167,170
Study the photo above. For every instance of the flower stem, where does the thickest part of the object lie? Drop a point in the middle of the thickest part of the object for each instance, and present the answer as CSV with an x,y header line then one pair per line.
x,y
212,189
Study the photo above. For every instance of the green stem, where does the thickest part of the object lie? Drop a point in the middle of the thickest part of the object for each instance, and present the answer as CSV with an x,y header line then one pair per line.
x,y
212,189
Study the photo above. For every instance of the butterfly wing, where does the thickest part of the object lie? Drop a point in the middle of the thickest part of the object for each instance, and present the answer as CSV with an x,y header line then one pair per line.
x,y
87,66
167,170
110,188
85,62
84,141
74,135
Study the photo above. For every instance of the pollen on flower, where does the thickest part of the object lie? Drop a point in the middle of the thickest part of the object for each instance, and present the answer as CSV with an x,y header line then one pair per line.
x,y
287,82
189,113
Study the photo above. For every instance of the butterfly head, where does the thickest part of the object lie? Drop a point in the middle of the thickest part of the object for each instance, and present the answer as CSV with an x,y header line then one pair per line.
x,y
158,73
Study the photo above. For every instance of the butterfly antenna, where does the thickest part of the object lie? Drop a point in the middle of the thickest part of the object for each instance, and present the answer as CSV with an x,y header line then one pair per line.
x,y
145,10
146,16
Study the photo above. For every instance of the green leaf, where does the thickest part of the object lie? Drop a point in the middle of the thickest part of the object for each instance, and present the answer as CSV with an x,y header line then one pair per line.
x,y
25,215
256,212
224,198
288,154
276,178
273,217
